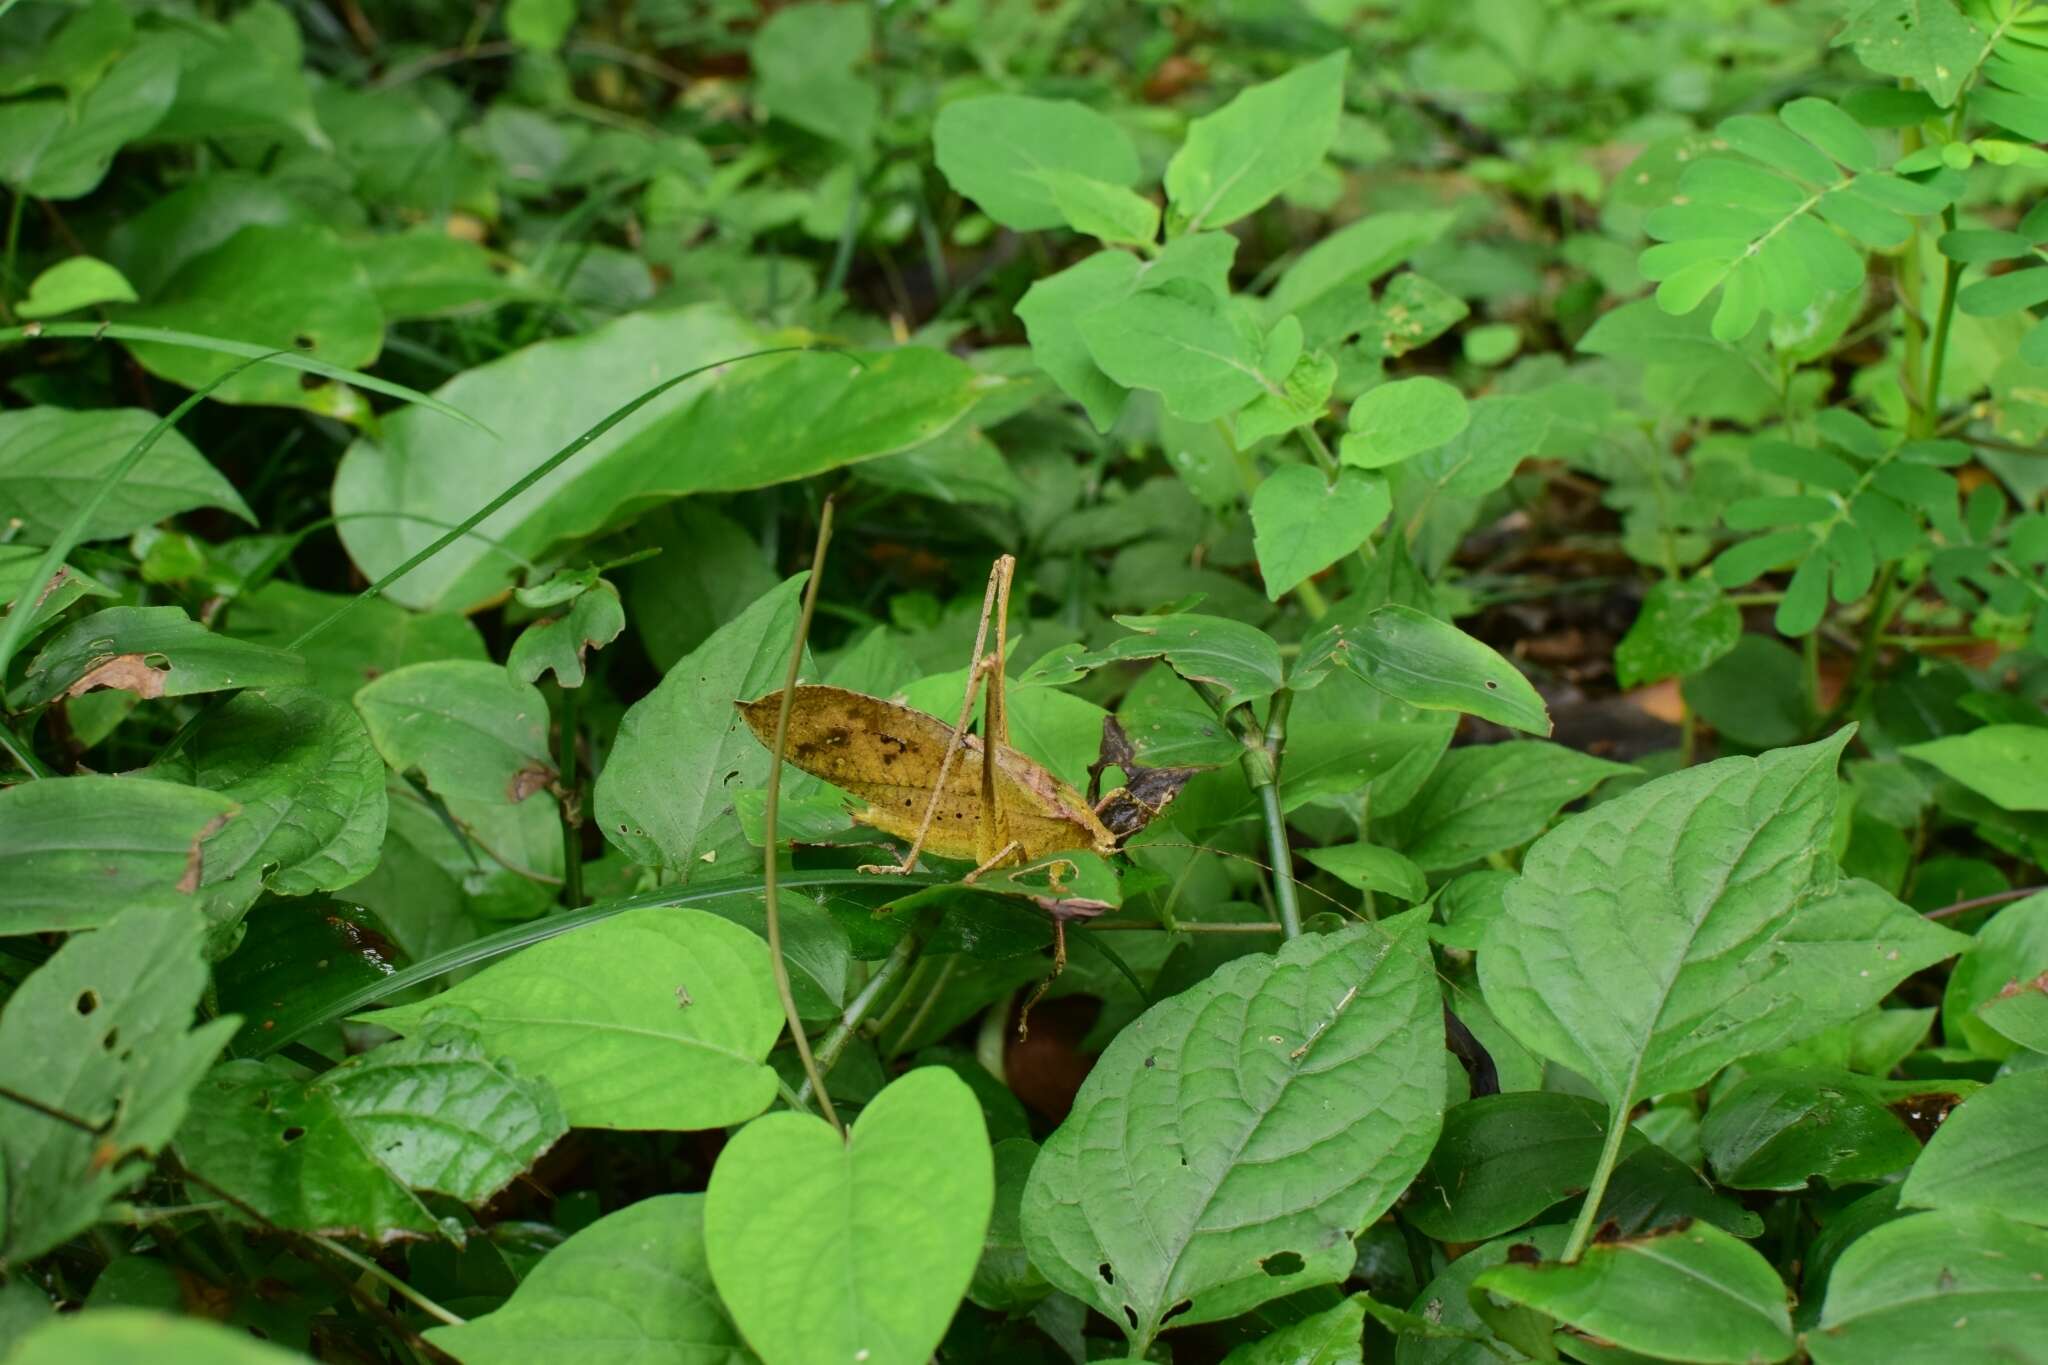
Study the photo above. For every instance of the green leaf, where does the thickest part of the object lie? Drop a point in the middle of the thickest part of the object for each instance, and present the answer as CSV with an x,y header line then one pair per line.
x,y
1684,626
1693,1293
1237,159
121,1336
1923,41
1302,523
80,282
794,1220
1230,1143
655,1018
1183,341
152,652
52,596
100,1032
1433,665
1447,1301
310,786
343,1152
475,732
1488,798
1960,1284
559,643
377,637
804,58
1051,311
2009,950
1005,1279
1754,695
665,796
1505,1158
1659,936
1400,419
1103,210
53,149
1335,1336
298,957
1776,1129
1378,870
2020,1012
2005,764
539,24
1240,660
1301,400
636,1280
765,422
290,287
137,843
1503,431
53,459
1987,1155
1341,266
998,150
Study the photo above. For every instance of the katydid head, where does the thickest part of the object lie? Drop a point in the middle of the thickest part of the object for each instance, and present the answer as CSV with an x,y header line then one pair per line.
x,y
1146,791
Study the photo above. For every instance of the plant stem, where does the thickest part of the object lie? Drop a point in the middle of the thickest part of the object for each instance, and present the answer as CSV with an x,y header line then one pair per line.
x,y
7,279
900,961
1610,1151
1881,609
1979,902
771,848
1267,779
1318,448
1929,409
572,814
387,1279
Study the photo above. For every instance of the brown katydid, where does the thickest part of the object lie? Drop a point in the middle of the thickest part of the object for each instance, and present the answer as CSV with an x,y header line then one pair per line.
x,y
935,786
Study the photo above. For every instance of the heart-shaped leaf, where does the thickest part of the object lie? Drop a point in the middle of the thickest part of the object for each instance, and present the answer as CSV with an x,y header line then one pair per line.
x,y
1302,522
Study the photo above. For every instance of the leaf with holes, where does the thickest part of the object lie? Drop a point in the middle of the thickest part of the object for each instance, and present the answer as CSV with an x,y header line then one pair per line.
x,y
655,1018
1233,1140
854,1249
152,652
346,1152
101,1033
637,1280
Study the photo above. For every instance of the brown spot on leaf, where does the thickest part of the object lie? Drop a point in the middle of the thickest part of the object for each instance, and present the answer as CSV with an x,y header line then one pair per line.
x,y
528,780
1524,1253
195,862
1924,1113
123,672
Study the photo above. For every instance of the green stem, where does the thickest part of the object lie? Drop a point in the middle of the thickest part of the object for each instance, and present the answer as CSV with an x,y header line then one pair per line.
x,y
7,281
572,814
1610,1152
901,960
18,749
1265,776
387,1279
1927,411
771,849
1319,449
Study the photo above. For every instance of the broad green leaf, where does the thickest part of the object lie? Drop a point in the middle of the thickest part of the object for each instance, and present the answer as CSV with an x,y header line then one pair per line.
x,y
1303,522
1503,1159
1488,798
803,59
425,273
634,1284
137,843
101,1032
1351,258
1002,151
2009,951
80,282
1503,431
1400,419
1777,1129
292,287
1922,41
1104,211
69,51
1659,936
1988,1154
1240,660
2005,764
1684,626
53,149
708,571
1233,1140
1302,397
856,1250
1237,159
1335,1336
1005,1280
375,638
122,1336
1755,694
539,24
475,732
655,1018
1693,1293
665,795
1433,665
309,783
2020,1012
51,596
1957,1285
298,957
1446,1301
152,652
52,460
1378,870
764,422
1183,341
1051,311
558,643
344,1152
